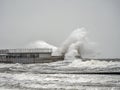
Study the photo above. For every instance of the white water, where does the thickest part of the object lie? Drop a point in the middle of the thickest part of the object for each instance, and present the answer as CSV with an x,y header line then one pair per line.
x,y
40,77
29,81
33,77
77,44
94,64
41,44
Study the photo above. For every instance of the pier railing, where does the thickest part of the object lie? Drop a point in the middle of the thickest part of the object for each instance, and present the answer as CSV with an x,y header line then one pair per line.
x,y
26,50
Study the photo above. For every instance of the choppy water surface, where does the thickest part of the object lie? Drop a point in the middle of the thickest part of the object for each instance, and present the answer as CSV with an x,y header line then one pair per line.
x,y
60,76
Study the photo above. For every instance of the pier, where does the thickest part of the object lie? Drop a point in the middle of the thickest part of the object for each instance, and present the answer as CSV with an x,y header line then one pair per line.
x,y
32,55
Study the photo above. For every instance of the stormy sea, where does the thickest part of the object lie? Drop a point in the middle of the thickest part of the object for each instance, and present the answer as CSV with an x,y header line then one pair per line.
x,y
61,75
73,73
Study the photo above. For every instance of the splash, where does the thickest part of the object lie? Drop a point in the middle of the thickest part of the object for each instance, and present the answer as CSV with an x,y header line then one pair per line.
x,y
41,44
76,45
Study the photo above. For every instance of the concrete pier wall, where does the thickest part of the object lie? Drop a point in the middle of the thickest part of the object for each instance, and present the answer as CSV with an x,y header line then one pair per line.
x,y
31,60
28,56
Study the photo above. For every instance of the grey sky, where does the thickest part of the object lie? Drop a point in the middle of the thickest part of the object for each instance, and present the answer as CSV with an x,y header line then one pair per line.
x,y
24,21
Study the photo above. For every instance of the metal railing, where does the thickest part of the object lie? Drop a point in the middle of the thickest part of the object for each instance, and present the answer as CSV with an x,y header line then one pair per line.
x,y
26,50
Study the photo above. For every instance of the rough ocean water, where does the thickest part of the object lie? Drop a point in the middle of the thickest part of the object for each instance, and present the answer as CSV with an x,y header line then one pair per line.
x,y
60,75
66,74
